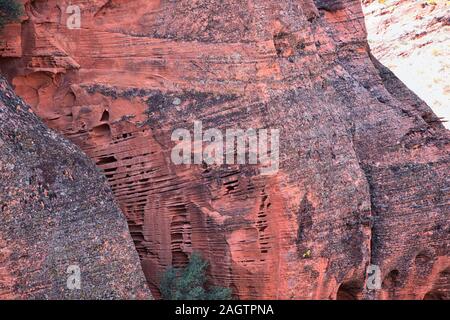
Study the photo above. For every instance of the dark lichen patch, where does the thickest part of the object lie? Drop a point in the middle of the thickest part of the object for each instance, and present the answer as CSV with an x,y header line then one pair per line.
x,y
329,5
157,100
115,92
172,106
160,100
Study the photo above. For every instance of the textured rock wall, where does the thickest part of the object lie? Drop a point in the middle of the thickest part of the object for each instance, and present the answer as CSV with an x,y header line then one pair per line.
x,y
364,164
57,211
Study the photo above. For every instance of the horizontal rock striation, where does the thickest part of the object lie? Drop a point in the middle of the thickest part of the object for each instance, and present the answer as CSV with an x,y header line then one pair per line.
x,y
58,215
363,173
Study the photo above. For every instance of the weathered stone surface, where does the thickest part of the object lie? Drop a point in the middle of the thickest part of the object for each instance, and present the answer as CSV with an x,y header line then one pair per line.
x,y
11,41
364,166
411,38
57,211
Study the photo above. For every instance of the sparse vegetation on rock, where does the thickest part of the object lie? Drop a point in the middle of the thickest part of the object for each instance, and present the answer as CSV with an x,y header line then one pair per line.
x,y
189,283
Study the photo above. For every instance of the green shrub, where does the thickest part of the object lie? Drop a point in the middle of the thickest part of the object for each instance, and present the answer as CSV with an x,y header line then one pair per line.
x,y
189,283
10,11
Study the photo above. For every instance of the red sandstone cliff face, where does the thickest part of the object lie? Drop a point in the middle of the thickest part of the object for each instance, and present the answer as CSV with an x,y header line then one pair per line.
x,y
364,165
411,38
57,212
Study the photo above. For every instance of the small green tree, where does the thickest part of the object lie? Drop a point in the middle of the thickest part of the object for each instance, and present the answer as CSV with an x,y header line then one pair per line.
x,y
10,11
189,283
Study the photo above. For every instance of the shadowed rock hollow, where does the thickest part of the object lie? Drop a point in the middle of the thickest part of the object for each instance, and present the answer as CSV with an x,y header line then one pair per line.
x,y
364,166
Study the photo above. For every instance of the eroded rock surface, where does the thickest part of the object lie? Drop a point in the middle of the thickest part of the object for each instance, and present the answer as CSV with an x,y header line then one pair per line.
x,y
57,212
364,164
